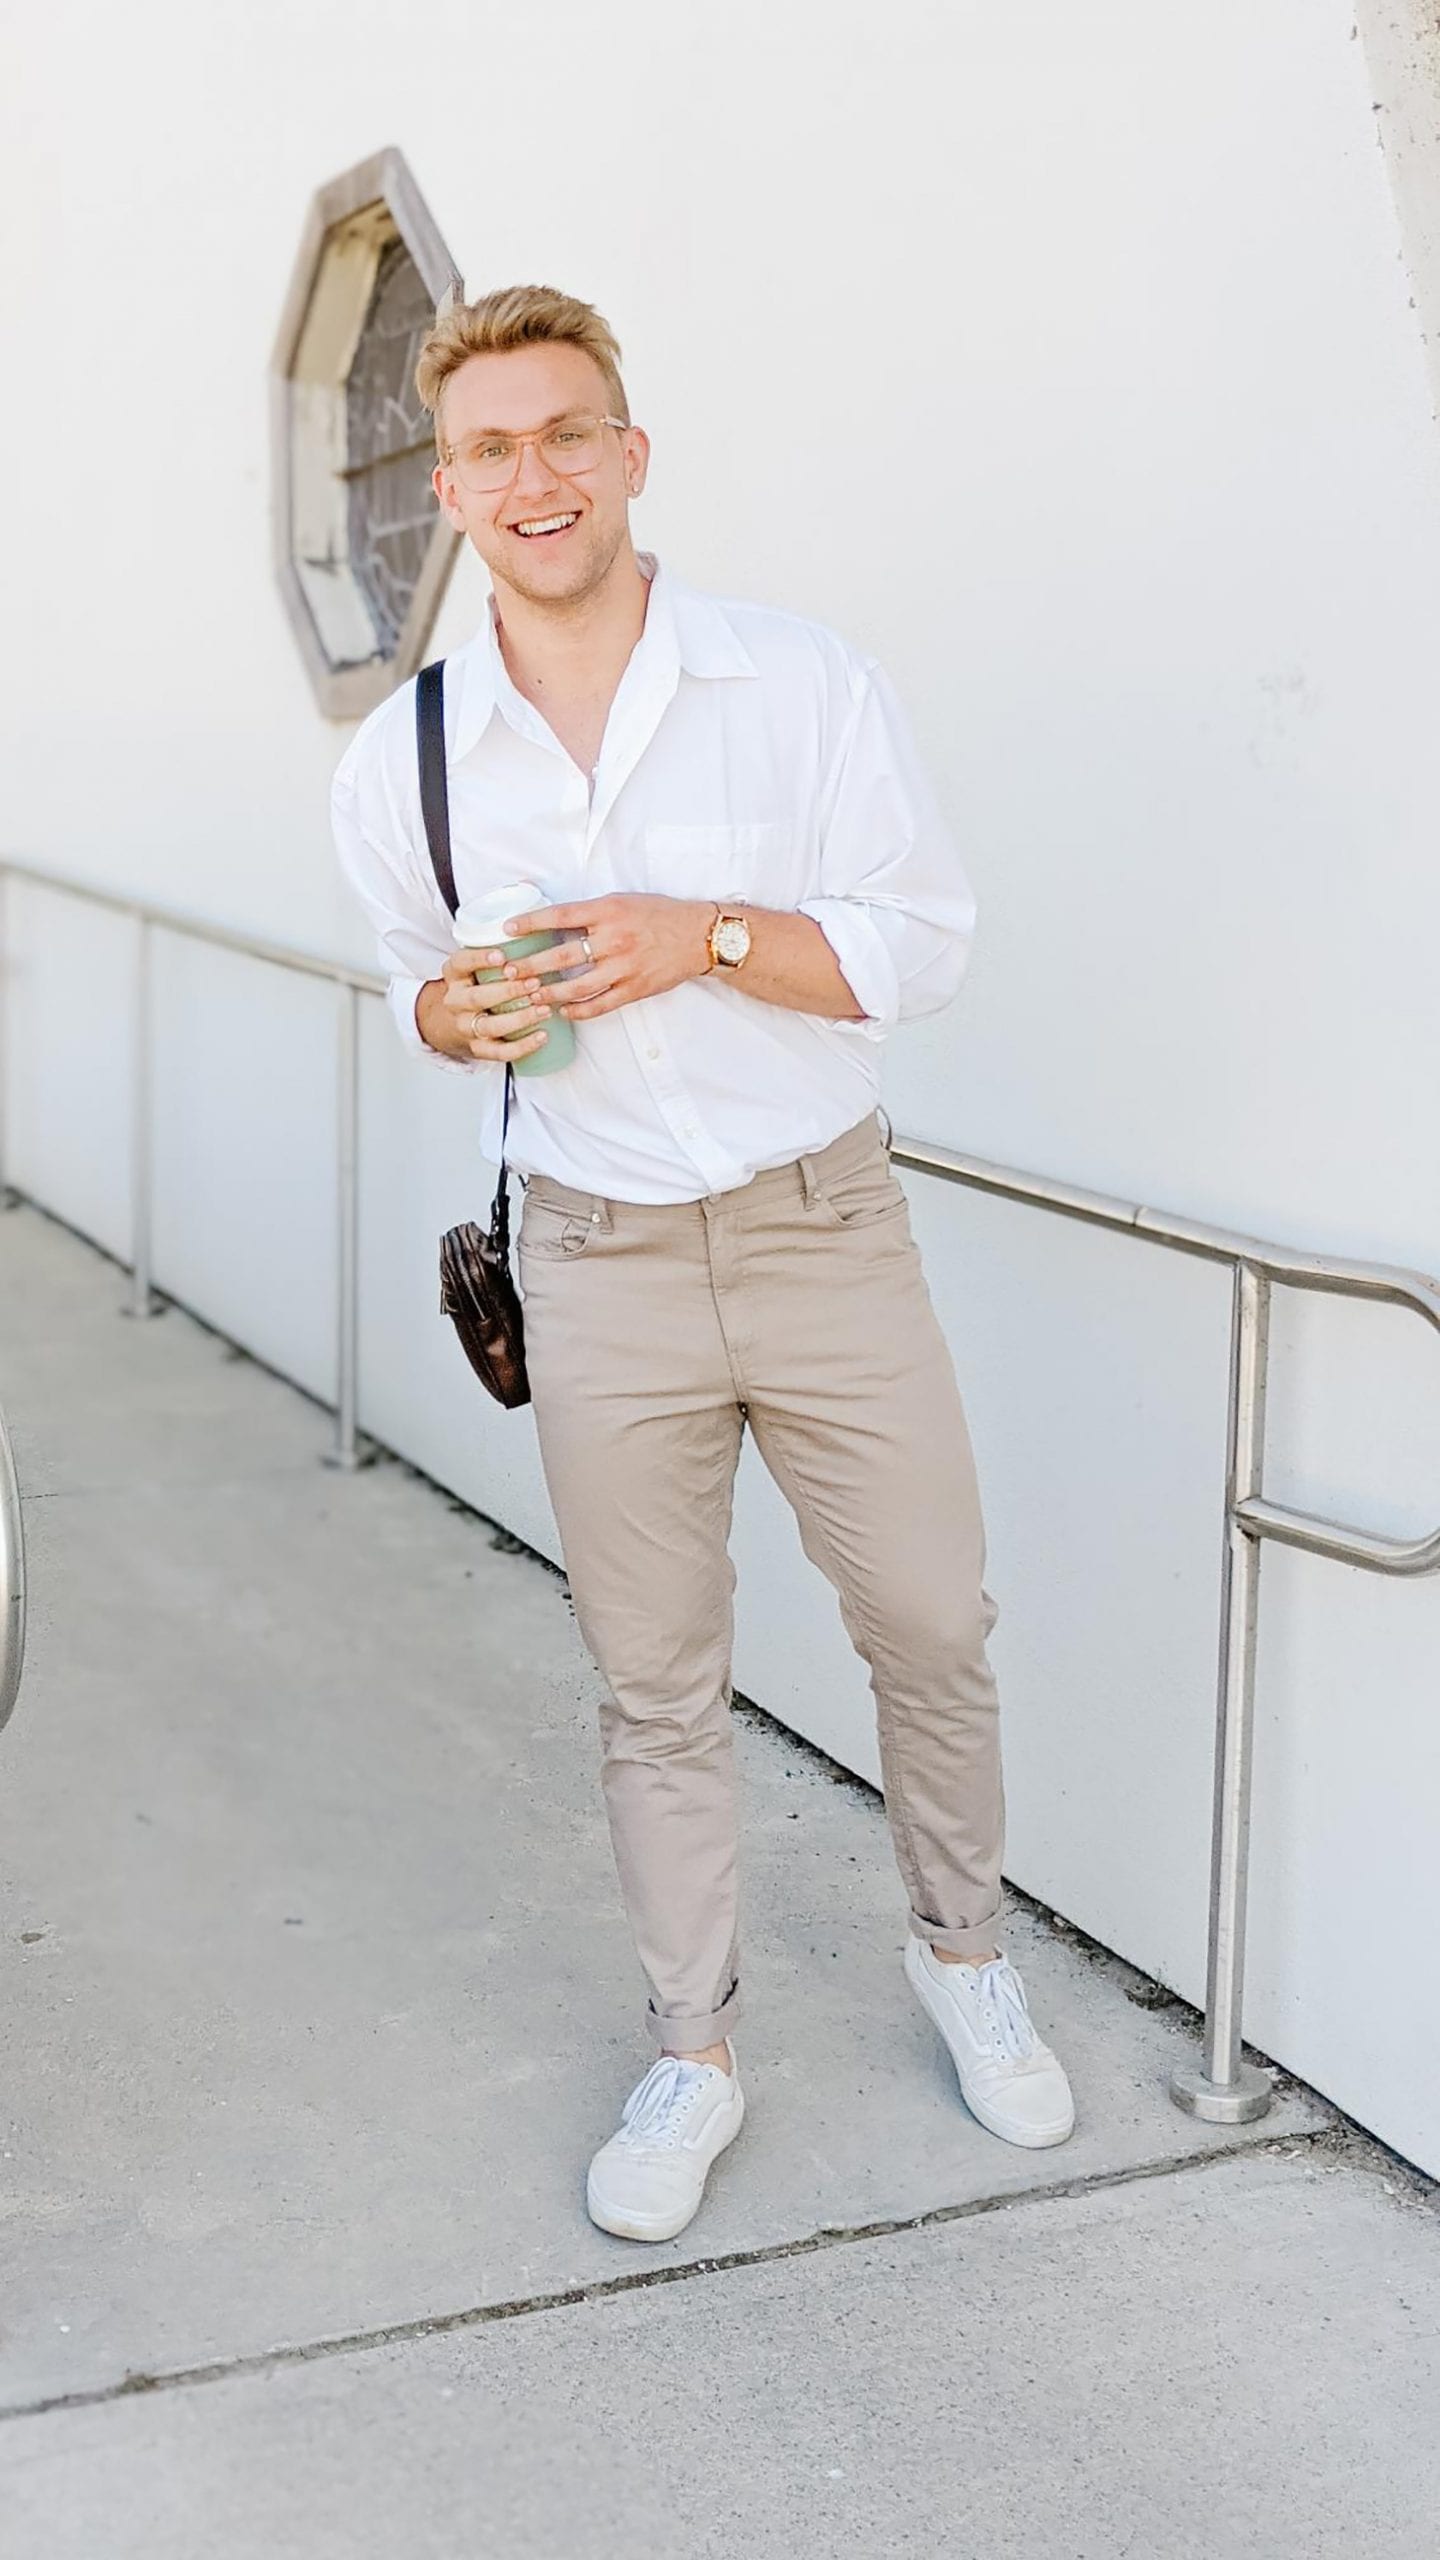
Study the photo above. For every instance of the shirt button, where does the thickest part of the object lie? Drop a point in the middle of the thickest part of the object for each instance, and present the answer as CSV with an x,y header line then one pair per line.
x,y
652,1053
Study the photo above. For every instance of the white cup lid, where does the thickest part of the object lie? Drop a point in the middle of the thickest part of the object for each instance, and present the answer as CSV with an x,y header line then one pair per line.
x,y
483,919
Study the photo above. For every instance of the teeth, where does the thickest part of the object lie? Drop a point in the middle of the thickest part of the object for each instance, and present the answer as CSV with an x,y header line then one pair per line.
x,y
544,524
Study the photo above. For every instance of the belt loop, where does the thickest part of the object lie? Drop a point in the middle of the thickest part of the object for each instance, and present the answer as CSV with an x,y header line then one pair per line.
x,y
809,1180
883,1117
600,1214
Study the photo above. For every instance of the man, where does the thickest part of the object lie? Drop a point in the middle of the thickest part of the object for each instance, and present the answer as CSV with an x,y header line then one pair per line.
x,y
724,810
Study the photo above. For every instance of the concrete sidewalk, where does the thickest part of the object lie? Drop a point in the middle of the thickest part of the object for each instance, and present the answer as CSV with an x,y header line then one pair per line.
x,y
319,1996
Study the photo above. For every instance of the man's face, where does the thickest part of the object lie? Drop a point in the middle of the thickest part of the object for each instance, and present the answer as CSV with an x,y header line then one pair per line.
x,y
550,535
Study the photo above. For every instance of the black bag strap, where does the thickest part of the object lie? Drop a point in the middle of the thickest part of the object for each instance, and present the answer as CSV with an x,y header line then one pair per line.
x,y
434,783
500,1205
435,810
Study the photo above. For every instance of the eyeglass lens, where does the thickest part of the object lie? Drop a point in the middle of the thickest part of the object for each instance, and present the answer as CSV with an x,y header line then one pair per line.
x,y
490,462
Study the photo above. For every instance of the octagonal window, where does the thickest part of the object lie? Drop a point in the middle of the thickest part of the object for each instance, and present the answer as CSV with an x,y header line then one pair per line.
x,y
361,549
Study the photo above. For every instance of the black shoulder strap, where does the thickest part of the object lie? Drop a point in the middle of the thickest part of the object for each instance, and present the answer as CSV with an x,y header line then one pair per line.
x,y
434,789
435,809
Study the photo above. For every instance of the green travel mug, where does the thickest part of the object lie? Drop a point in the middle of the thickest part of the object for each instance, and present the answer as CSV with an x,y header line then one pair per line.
x,y
478,927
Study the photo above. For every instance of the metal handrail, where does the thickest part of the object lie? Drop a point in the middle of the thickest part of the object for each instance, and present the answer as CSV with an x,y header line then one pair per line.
x,y
281,955
12,1580
1320,1274
1224,2089
349,984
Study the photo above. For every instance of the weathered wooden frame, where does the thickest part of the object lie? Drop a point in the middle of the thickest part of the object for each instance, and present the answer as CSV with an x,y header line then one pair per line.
x,y
349,222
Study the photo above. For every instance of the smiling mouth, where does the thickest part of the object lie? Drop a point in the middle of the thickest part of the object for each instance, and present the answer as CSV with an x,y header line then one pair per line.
x,y
534,528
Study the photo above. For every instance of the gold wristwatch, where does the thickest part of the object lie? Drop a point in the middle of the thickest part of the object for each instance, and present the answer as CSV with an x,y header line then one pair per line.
x,y
729,939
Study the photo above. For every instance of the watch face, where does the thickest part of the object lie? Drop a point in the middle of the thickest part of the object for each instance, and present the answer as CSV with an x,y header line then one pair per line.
x,y
732,940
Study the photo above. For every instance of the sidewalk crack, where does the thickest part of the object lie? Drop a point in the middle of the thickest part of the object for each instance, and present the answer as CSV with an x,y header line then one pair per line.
x,y
643,2279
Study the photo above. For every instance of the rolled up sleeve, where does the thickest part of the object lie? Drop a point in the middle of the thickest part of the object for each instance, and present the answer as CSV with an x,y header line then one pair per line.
x,y
410,926
894,903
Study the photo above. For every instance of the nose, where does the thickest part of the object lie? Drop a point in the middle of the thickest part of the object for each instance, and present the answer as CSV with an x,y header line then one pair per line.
x,y
534,475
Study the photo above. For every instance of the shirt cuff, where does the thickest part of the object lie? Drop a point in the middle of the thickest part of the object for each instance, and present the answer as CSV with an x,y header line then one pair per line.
x,y
865,962
400,996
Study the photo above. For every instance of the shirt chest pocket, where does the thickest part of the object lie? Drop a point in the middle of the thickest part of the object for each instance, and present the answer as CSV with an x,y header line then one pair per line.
x,y
757,860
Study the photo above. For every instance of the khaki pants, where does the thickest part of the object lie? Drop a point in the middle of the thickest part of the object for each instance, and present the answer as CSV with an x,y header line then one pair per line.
x,y
654,1334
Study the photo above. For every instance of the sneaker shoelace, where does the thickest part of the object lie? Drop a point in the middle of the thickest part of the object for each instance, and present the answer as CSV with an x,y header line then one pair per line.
x,y
1007,2021
654,2114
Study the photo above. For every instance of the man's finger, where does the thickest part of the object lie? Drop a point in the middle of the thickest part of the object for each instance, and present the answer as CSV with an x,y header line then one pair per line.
x,y
586,1010
463,964
590,983
468,996
495,1052
562,956
554,920
500,1030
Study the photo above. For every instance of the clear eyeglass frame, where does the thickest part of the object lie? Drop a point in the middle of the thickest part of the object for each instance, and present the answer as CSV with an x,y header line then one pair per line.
x,y
484,478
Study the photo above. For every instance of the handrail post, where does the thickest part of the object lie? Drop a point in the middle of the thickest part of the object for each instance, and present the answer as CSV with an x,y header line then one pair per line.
x,y
1224,2089
141,1302
346,1453
12,1579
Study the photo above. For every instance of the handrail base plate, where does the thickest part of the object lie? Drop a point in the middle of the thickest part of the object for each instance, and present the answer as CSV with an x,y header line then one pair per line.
x,y
1237,2101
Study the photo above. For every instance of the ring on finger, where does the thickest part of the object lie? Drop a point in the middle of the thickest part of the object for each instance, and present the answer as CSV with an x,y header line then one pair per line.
x,y
587,948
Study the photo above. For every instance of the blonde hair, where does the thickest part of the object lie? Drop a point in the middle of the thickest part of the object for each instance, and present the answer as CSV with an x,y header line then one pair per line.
x,y
517,315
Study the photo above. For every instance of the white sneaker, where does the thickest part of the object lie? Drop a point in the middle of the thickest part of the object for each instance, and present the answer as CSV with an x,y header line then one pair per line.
x,y
646,2182
1008,2078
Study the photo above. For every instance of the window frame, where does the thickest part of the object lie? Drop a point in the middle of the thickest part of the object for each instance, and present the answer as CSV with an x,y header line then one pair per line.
x,y
350,223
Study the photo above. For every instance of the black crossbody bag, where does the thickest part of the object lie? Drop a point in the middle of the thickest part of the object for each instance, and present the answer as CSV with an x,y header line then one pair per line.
x,y
477,1290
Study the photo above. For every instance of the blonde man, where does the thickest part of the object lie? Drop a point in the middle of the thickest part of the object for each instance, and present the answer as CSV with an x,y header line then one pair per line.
x,y
726,815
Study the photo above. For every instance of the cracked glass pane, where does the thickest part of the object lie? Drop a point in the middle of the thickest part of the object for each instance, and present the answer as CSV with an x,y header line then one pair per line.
x,y
390,447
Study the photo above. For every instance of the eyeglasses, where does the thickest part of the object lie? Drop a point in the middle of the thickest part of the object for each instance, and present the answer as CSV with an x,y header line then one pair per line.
x,y
568,445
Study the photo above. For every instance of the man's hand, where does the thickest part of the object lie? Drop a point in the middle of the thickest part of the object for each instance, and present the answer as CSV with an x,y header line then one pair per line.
x,y
459,1018
638,945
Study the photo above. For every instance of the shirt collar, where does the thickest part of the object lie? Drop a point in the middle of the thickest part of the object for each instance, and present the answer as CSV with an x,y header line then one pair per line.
x,y
690,629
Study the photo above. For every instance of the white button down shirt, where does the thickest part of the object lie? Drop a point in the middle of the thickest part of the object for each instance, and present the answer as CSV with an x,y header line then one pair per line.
x,y
748,756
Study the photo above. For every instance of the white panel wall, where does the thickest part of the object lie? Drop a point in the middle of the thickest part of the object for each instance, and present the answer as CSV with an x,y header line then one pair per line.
x,y
243,1121
1066,359
67,1066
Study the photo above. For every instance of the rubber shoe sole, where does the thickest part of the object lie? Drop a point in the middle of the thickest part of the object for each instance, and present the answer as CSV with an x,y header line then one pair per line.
x,y
1042,2137
665,2226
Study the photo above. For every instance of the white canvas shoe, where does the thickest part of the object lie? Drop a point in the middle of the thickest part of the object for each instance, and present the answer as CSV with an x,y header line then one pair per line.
x,y
1009,2080
646,2182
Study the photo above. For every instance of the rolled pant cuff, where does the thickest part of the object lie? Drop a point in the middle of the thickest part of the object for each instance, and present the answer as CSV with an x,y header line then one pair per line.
x,y
976,1941
692,2035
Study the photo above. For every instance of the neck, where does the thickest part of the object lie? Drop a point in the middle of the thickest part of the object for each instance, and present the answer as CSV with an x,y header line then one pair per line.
x,y
580,645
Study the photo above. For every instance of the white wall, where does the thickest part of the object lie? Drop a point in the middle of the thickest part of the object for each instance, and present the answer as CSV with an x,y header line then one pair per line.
x,y
1066,358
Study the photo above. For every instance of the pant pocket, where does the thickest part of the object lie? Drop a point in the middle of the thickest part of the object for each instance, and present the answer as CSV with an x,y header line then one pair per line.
x,y
550,1233
865,1198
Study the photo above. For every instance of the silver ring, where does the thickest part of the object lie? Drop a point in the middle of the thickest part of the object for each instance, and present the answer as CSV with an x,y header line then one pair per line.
x,y
586,948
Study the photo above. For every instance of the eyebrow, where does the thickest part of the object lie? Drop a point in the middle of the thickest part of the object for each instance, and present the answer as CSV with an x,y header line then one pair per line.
x,y
471,433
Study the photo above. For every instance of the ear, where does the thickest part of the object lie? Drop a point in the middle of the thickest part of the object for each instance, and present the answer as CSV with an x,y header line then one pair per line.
x,y
444,487
636,451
